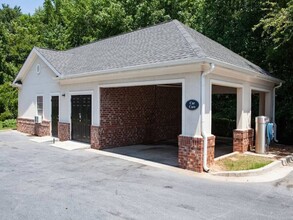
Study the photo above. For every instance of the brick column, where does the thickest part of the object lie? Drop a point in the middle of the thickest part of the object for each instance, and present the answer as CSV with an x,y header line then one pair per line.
x,y
95,137
190,152
63,131
243,140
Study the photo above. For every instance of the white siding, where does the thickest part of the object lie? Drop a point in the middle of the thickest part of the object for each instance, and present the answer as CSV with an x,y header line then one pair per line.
x,y
37,84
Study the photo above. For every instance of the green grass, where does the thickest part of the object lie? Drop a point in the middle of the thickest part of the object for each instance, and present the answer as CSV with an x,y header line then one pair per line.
x,y
243,162
8,124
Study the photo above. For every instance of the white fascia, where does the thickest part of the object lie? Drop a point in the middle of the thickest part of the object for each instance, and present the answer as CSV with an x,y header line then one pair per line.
x,y
244,70
27,64
134,68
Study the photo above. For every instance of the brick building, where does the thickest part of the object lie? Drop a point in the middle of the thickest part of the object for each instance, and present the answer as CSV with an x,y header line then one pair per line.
x,y
144,86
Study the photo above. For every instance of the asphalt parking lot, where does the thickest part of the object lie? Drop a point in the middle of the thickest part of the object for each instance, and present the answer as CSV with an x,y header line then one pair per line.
x,y
38,181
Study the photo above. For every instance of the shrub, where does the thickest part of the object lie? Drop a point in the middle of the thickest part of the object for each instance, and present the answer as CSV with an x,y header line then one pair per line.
x,y
223,127
6,115
9,123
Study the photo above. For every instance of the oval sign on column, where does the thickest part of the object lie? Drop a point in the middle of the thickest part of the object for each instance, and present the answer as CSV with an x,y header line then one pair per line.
x,y
192,104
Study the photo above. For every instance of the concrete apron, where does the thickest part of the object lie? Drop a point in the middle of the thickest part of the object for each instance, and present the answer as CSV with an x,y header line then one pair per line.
x,y
165,157
277,173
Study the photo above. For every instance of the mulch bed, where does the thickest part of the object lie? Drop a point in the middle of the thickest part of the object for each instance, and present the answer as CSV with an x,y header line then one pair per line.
x,y
280,150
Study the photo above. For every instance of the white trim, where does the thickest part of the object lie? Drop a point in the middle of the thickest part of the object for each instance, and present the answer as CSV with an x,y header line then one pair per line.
x,y
244,70
28,62
135,68
46,62
81,92
98,106
183,107
36,104
257,89
142,83
225,83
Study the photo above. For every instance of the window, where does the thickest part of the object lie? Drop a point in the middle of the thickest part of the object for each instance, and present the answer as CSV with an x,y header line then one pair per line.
x,y
40,105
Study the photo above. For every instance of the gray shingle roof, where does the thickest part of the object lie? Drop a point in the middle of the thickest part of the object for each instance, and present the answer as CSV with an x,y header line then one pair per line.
x,y
171,41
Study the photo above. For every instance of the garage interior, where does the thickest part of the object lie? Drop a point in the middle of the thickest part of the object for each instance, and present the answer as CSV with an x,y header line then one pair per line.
x,y
142,121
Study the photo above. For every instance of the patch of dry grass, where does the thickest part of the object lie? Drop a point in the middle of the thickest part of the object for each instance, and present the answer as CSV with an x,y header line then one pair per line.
x,y
242,162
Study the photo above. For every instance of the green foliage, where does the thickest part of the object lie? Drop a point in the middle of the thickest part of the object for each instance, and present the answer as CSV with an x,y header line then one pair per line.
x,y
278,21
8,102
9,123
261,31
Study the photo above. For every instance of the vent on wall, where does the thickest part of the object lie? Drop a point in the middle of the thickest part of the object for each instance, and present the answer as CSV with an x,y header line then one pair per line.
x,y
38,69
38,119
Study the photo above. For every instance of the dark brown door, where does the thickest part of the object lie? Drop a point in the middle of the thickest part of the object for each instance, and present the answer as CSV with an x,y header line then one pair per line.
x,y
81,117
54,115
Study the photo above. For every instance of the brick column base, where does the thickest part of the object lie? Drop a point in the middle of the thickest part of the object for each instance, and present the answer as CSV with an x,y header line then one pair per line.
x,y
26,125
63,131
95,137
190,152
243,140
30,127
42,129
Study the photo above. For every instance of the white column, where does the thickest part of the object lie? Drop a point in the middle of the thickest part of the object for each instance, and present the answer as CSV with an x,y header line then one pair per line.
x,y
96,107
191,118
208,107
244,107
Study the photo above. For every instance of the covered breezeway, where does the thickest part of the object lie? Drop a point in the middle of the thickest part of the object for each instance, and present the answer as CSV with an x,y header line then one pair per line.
x,y
142,121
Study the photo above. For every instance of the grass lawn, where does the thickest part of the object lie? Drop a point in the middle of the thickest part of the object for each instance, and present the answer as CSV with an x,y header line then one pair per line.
x,y
243,162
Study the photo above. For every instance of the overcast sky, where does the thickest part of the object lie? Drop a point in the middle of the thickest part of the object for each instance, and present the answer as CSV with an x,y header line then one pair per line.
x,y
27,6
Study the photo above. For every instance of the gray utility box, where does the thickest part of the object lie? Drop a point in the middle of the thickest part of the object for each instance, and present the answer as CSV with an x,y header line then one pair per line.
x,y
260,134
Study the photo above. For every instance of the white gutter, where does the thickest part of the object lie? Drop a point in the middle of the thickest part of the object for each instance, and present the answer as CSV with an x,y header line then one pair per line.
x,y
203,132
133,68
274,107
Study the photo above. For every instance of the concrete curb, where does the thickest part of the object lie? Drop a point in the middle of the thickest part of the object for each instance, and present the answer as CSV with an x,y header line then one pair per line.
x,y
255,172
288,159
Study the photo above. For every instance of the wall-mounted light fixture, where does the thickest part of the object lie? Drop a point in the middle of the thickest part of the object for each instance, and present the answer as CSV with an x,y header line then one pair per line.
x,y
63,94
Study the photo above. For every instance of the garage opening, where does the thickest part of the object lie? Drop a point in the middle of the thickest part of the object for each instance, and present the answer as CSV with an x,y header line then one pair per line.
x,y
224,110
142,121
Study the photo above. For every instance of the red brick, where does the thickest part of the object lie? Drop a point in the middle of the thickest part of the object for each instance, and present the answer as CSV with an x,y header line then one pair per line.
x,y
63,131
243,140
30,127
191,152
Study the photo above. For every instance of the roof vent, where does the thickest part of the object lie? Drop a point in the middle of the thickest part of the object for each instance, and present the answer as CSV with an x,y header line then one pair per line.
x,y
38,69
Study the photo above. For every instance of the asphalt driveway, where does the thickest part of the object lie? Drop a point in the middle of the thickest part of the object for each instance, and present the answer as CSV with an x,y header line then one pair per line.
x,y
38,181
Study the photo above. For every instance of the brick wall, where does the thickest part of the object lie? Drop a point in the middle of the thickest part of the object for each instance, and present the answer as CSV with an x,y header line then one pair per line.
x,y
63,131
30,127
141,114
26,125
243,140
190,153
43,129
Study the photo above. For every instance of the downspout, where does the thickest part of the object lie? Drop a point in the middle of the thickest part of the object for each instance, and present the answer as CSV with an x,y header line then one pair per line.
x,y
273,118
203,132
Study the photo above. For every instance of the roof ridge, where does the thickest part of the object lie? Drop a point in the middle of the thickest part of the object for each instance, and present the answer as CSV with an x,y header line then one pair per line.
x,y
118,35
192,43
53,50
